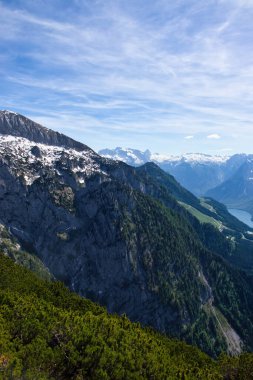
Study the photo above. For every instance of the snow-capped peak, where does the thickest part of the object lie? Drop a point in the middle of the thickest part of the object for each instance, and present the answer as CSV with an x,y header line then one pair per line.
x,y
191,158
136,157
130,156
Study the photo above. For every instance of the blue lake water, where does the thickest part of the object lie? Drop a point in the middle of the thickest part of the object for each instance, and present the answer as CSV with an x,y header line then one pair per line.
x,y
243,216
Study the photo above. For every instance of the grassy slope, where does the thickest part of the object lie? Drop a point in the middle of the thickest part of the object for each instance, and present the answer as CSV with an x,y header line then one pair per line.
x,y
203,218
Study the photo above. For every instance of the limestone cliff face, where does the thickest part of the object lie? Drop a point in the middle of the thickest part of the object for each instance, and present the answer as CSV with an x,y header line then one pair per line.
x,y
99,227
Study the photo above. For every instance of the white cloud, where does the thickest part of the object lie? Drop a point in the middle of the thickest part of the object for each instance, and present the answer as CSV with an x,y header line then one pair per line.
x,y
214,136
190,137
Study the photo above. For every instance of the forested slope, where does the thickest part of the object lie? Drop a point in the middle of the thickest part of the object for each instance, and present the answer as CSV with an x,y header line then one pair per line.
x,y
47,332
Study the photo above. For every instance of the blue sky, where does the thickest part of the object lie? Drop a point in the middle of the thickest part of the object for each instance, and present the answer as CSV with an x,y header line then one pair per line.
x,y
173,77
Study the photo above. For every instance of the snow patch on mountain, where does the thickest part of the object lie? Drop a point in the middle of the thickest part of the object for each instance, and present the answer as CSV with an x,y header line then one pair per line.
x,y
20,155
7,112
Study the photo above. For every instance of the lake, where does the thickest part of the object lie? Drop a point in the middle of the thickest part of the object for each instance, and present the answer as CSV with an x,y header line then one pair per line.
x,y
242,215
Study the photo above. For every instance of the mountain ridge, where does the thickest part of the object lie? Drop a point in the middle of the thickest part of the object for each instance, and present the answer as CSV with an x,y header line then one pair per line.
x,y
118,235
14,124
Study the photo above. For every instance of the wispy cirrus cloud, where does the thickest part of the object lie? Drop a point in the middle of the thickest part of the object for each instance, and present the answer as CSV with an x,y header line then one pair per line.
x,y
148,68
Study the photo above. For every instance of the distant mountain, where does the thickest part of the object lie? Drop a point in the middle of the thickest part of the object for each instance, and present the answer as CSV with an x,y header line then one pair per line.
x,y
132,239
131,157
199,173
136,157
237,191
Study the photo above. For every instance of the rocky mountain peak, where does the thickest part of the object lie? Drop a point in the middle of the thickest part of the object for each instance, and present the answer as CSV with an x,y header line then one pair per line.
x,y
17,125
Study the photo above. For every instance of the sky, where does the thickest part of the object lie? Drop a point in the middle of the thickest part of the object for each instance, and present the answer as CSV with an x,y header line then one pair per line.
x,y
169,76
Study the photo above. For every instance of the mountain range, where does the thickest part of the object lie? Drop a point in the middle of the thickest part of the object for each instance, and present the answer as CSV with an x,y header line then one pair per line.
x,y
130,238
227,179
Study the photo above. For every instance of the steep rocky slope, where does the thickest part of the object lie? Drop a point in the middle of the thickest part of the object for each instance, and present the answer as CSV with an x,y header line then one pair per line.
x,y
10,247
117,235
